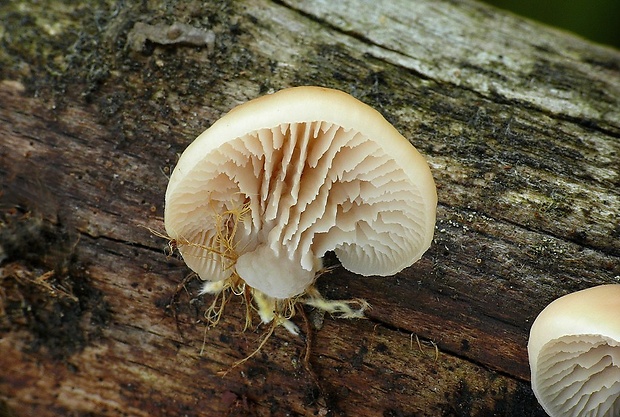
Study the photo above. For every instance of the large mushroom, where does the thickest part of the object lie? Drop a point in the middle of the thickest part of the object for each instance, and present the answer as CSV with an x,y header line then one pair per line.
x,y
574,353
257,199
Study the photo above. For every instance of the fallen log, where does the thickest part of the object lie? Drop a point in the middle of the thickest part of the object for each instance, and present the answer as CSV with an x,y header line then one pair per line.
x,y
519,123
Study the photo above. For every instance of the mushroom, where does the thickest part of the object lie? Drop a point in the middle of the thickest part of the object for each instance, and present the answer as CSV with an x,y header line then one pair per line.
x,y
574,353
257,199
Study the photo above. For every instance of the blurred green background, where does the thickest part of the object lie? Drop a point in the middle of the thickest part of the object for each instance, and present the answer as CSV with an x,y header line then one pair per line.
x,y
597,20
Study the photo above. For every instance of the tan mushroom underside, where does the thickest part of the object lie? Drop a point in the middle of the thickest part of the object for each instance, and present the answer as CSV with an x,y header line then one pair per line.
x,y
282,179
574,352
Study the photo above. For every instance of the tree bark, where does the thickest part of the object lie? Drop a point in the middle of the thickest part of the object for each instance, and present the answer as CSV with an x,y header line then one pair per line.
x,y
519,123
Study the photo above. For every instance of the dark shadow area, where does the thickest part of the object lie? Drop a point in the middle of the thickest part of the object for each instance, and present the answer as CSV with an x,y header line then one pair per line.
x,y
595,20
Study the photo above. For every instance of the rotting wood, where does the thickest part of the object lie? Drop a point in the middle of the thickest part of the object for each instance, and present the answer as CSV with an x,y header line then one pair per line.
x,y
520,124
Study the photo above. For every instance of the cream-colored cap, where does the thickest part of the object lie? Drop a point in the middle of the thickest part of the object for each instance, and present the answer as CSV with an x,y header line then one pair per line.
x,y
317,170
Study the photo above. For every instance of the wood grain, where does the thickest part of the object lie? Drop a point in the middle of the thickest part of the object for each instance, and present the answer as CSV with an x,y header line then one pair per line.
x,y
520,124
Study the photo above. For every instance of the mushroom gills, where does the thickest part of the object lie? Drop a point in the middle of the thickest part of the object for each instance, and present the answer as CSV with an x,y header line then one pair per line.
x,y
582,375
259,198
574,354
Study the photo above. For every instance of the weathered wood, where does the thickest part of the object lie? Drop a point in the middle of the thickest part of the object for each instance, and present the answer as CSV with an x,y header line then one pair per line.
x,y
520,124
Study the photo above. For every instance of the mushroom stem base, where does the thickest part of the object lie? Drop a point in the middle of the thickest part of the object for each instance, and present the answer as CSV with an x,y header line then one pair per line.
x,y
274,310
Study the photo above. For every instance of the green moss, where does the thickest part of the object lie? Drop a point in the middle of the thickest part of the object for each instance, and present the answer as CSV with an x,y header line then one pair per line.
x,y
43,42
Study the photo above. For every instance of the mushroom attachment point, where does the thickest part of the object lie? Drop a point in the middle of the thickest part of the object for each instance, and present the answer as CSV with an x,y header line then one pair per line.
x,y
257,199
574,353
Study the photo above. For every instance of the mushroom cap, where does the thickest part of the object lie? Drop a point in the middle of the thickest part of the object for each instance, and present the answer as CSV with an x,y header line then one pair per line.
x,y
574,353
282,179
